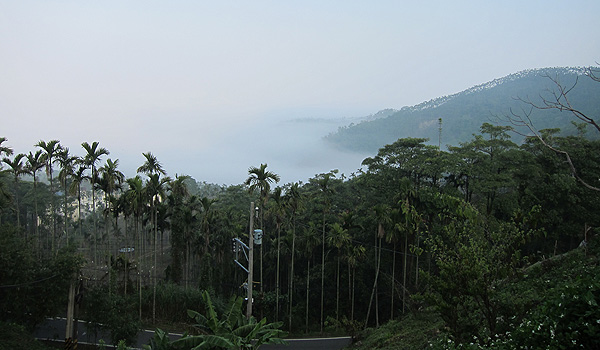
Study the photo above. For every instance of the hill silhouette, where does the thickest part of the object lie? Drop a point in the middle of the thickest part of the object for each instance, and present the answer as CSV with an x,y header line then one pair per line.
x,y
463,113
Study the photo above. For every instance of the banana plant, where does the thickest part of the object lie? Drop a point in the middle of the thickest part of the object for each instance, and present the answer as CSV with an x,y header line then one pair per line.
x,y
232,330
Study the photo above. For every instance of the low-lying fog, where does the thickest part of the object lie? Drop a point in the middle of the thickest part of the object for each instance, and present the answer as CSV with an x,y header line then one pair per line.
x,y
292,148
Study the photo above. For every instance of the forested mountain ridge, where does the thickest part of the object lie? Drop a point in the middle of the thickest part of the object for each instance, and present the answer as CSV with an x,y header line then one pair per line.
x,y
463,113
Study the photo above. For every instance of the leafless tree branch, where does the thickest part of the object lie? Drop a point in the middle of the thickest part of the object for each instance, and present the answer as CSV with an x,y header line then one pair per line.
x,y
559,101
593,73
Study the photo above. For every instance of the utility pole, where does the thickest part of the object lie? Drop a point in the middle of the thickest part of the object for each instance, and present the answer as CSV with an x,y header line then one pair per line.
x,y
70,310
72,307
250,261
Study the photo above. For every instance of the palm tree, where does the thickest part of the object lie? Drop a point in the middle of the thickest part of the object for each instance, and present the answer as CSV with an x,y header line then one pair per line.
x,y
293,201
4,151
4,195
382,215
136,198
278,211
179,189
67,170
111,180
349,223
126,208
151,165
310,240
17,169
155,187
206,204
260,178
35,161
78,177
354,255
50,149
93,154
191,210
339,238
410,225
178,192
393,237
207,269
326,190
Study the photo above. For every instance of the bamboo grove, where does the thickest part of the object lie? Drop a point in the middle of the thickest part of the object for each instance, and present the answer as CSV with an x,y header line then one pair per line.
x,y
341,250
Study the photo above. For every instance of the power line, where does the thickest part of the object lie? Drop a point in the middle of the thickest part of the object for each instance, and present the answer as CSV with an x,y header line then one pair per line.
x,y
27,283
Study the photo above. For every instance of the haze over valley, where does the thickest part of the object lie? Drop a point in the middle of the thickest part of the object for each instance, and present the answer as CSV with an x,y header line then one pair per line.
x,y
213,89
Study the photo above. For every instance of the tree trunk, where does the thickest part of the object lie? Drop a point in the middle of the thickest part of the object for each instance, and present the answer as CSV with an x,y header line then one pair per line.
x,y
17,201
66,213
35,223
404,273
307,292
352,301
337,299
323,272
417,264
53,211
94,219
393,283
277,273
79,209
155,265
291,291
139,263
373,291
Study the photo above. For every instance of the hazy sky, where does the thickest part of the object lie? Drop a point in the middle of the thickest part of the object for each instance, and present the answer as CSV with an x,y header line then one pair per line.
x,y
209,86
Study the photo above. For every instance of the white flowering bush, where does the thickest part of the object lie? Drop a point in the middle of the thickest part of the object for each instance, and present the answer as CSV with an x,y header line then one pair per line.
x,y
567,318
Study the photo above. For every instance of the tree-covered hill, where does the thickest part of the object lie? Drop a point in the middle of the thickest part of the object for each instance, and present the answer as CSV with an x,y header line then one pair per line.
x,y
463,113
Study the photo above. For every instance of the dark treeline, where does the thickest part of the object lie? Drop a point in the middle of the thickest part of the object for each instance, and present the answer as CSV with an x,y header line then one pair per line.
x,y
337,250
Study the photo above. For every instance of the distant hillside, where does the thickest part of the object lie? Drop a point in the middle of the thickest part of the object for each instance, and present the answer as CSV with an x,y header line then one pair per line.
x,y
463,113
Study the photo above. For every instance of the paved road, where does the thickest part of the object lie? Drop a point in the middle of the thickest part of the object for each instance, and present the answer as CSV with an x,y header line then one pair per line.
x,y
310,344
55,329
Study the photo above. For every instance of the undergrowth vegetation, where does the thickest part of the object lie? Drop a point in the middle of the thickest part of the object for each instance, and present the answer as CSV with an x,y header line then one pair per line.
x,y
554,305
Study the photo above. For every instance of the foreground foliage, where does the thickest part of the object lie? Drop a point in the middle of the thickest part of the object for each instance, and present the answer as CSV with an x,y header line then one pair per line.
x,y
232,330
554,305
16,337
114,313
33,286
411,332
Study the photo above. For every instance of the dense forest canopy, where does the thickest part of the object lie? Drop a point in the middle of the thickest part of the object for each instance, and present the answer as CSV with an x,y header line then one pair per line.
x,y
419,227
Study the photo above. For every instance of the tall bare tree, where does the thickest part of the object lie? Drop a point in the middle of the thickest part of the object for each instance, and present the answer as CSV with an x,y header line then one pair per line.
x,y
557,99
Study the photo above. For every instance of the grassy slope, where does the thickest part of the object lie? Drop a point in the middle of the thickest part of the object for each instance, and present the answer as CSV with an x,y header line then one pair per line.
x,y
412,332
528,290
